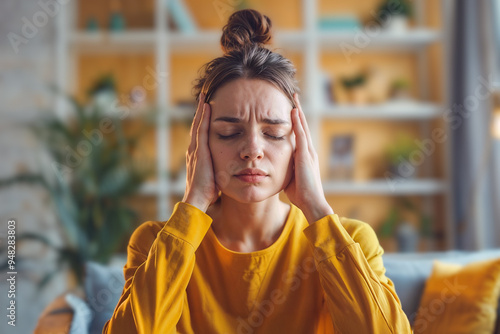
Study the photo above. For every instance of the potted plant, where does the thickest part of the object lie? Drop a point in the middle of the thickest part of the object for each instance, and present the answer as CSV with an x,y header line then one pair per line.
x,y
92,176
398,224
393,15
355,88
398,155
400,89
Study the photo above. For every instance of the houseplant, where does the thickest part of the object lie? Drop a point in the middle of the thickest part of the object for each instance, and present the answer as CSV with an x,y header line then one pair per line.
x,y
400,89
399,158
91,176
393,15
355,88
398,224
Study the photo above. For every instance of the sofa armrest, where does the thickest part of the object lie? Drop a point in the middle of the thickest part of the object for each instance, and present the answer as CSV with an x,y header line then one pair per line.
x,y
56,317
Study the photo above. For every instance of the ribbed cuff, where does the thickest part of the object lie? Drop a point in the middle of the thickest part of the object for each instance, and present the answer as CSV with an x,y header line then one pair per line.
x,y
328,237
188,223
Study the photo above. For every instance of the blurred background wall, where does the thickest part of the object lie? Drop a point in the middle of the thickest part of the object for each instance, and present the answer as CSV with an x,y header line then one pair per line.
x,y
24,97
97,103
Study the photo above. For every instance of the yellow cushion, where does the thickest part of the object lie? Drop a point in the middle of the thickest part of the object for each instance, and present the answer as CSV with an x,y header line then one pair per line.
x,y
460,299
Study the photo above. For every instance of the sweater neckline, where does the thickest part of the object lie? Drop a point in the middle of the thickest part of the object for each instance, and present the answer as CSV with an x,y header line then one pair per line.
x,y
289,222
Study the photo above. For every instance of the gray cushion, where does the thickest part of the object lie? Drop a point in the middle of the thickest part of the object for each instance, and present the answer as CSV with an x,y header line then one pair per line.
x,y
82,315
103,287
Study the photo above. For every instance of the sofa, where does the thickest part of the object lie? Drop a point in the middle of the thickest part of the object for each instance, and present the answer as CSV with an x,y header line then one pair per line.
x,y
87,312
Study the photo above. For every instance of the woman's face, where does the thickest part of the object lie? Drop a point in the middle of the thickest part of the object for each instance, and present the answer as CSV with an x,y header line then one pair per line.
x,y
251,133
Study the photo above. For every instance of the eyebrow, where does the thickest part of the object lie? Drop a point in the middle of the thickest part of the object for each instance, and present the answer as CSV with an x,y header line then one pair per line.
x,y
238,120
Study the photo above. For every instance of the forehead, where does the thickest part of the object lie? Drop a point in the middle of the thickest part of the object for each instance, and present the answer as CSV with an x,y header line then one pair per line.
x,y
246,97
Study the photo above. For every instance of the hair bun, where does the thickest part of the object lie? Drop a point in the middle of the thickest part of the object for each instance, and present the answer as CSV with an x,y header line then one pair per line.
x,y
244,28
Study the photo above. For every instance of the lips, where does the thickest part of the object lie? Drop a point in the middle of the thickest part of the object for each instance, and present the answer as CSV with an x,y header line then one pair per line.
x,y
251,175
252,171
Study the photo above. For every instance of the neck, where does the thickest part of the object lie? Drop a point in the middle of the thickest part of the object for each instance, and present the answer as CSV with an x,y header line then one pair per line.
x,y
247,227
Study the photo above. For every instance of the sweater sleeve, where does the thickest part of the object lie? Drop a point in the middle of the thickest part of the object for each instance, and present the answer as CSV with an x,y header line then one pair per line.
x,y
359,297
156,277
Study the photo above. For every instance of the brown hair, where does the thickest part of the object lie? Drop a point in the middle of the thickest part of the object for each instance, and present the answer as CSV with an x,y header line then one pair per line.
x,y
243,39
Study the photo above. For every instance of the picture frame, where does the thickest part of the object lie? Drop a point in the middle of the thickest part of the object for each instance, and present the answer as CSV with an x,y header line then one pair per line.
x,y
341,159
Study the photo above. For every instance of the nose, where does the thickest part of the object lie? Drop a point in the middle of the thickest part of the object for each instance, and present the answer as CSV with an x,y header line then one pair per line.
x,y
252,148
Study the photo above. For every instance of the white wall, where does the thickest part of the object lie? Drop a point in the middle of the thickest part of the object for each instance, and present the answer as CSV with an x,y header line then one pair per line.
x,y
25,71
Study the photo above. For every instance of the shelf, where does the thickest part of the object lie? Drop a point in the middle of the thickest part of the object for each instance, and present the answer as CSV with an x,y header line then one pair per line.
x,y
209,40
144,41
152,188
379,187
386,187
185,113
404,110
149,188
182,113
130,41
407,110
357,41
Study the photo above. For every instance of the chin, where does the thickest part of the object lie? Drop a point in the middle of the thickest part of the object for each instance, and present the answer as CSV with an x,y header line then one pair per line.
x,y
250,193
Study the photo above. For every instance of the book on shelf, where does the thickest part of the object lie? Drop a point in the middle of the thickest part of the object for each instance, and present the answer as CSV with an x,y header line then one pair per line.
x,y
341,159
339,22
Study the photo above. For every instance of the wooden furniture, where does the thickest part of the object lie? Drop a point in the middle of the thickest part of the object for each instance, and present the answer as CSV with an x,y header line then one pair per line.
x,y
168,60
56,317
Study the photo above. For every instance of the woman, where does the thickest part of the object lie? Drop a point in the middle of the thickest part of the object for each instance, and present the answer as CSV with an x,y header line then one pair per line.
x,y
233,258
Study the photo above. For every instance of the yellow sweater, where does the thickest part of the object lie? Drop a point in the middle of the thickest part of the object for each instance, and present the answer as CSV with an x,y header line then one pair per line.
x,y
324,277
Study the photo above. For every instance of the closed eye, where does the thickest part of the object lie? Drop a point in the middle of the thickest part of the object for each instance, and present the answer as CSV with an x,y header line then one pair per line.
x,y
275,137
237,134
228,136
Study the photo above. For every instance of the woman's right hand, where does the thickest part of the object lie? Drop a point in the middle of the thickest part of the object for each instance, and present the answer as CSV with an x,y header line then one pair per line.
x,y
201,189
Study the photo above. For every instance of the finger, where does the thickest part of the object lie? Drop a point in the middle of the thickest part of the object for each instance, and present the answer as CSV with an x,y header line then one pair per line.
x,y
196,121
203,127
300,135
303,120
197,115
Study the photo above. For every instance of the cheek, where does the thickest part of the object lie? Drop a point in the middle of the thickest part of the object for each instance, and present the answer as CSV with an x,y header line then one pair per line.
x,y
220,154
284,155
289,157
215,152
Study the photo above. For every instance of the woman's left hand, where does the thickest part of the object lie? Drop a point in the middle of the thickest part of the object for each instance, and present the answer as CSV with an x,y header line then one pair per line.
x,y
305,189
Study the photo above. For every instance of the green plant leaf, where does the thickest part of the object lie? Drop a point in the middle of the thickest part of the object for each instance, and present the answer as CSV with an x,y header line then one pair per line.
x,y
88,189
387,228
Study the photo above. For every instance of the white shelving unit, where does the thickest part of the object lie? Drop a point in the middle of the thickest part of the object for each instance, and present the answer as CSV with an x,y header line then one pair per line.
x,y
208,41
382,187
386,111
310,42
